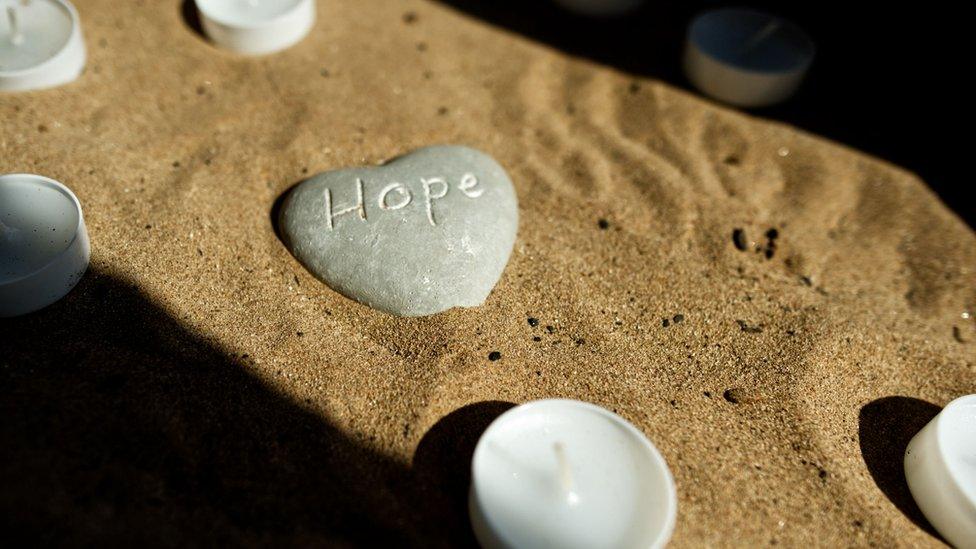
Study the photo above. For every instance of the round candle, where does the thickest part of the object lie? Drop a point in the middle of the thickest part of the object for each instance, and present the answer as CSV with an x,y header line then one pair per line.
x,y
746,58
564,473
256,27
44,248
940,467
40,44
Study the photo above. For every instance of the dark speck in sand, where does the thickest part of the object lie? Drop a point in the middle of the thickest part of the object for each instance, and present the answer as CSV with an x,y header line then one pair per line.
x,y
410,17
634,87
325,73
442,111
741,396
806,281
732,160
770,248
745,327
494,355
551,329
678,318
533,321
665,322
421,46
739,239
957,334
707,394
603,224
536,339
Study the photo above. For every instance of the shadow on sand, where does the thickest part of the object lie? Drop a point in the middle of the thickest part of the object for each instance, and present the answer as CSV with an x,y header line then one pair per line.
x,y
870,90
122,427
885,427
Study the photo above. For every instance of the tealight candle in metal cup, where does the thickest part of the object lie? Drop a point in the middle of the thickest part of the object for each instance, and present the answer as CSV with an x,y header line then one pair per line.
x,y
44,247
745,57
256,27
940,467
40,44
565,473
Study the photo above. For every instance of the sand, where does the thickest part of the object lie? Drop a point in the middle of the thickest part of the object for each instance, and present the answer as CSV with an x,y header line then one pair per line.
x,y
201,387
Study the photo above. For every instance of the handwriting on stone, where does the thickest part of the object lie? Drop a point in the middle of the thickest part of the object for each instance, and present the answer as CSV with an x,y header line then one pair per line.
x,y
396,195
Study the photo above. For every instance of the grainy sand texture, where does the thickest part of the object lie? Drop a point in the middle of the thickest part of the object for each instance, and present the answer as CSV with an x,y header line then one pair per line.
x,y
200,387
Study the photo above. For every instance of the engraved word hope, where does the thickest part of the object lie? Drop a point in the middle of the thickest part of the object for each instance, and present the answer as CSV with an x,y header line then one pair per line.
x,y
396,196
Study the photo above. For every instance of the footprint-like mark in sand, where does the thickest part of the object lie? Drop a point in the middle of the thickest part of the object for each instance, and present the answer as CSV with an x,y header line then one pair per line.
x,y
587,157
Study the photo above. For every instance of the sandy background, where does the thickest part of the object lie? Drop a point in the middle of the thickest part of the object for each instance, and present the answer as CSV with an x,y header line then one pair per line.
x,y
201,387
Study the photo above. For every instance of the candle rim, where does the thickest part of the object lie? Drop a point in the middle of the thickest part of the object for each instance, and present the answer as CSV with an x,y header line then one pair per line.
x,y
75,32
809,46
250,24
657,459
66,192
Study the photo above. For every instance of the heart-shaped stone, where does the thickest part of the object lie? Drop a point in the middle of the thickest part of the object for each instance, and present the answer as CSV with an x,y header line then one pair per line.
x,y
423,233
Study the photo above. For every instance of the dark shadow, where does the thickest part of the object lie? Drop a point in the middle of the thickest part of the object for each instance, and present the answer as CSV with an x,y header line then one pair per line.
x,y
885,427
275,212
121,427
188,10
442,467
869,87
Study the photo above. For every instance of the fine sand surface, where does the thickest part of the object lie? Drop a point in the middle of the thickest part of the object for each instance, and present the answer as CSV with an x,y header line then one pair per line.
x,y
199,386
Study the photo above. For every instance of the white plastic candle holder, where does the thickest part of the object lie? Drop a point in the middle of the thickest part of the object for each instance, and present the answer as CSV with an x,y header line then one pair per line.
x,y
745,57
940,467
44,247
41,45
564,473
256,27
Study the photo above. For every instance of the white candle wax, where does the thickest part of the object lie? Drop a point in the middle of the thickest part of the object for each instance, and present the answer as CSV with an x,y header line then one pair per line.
x,y
746,58
563,473
256,27
940,467
44,246
40,44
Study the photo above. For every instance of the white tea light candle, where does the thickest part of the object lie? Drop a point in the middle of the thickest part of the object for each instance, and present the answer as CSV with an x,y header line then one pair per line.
x,y
746,58
40,44
256,27
564,473
940,467
44,248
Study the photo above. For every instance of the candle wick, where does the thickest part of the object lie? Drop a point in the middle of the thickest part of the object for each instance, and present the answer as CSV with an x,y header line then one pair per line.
x,y
761,36
565,473
16,37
